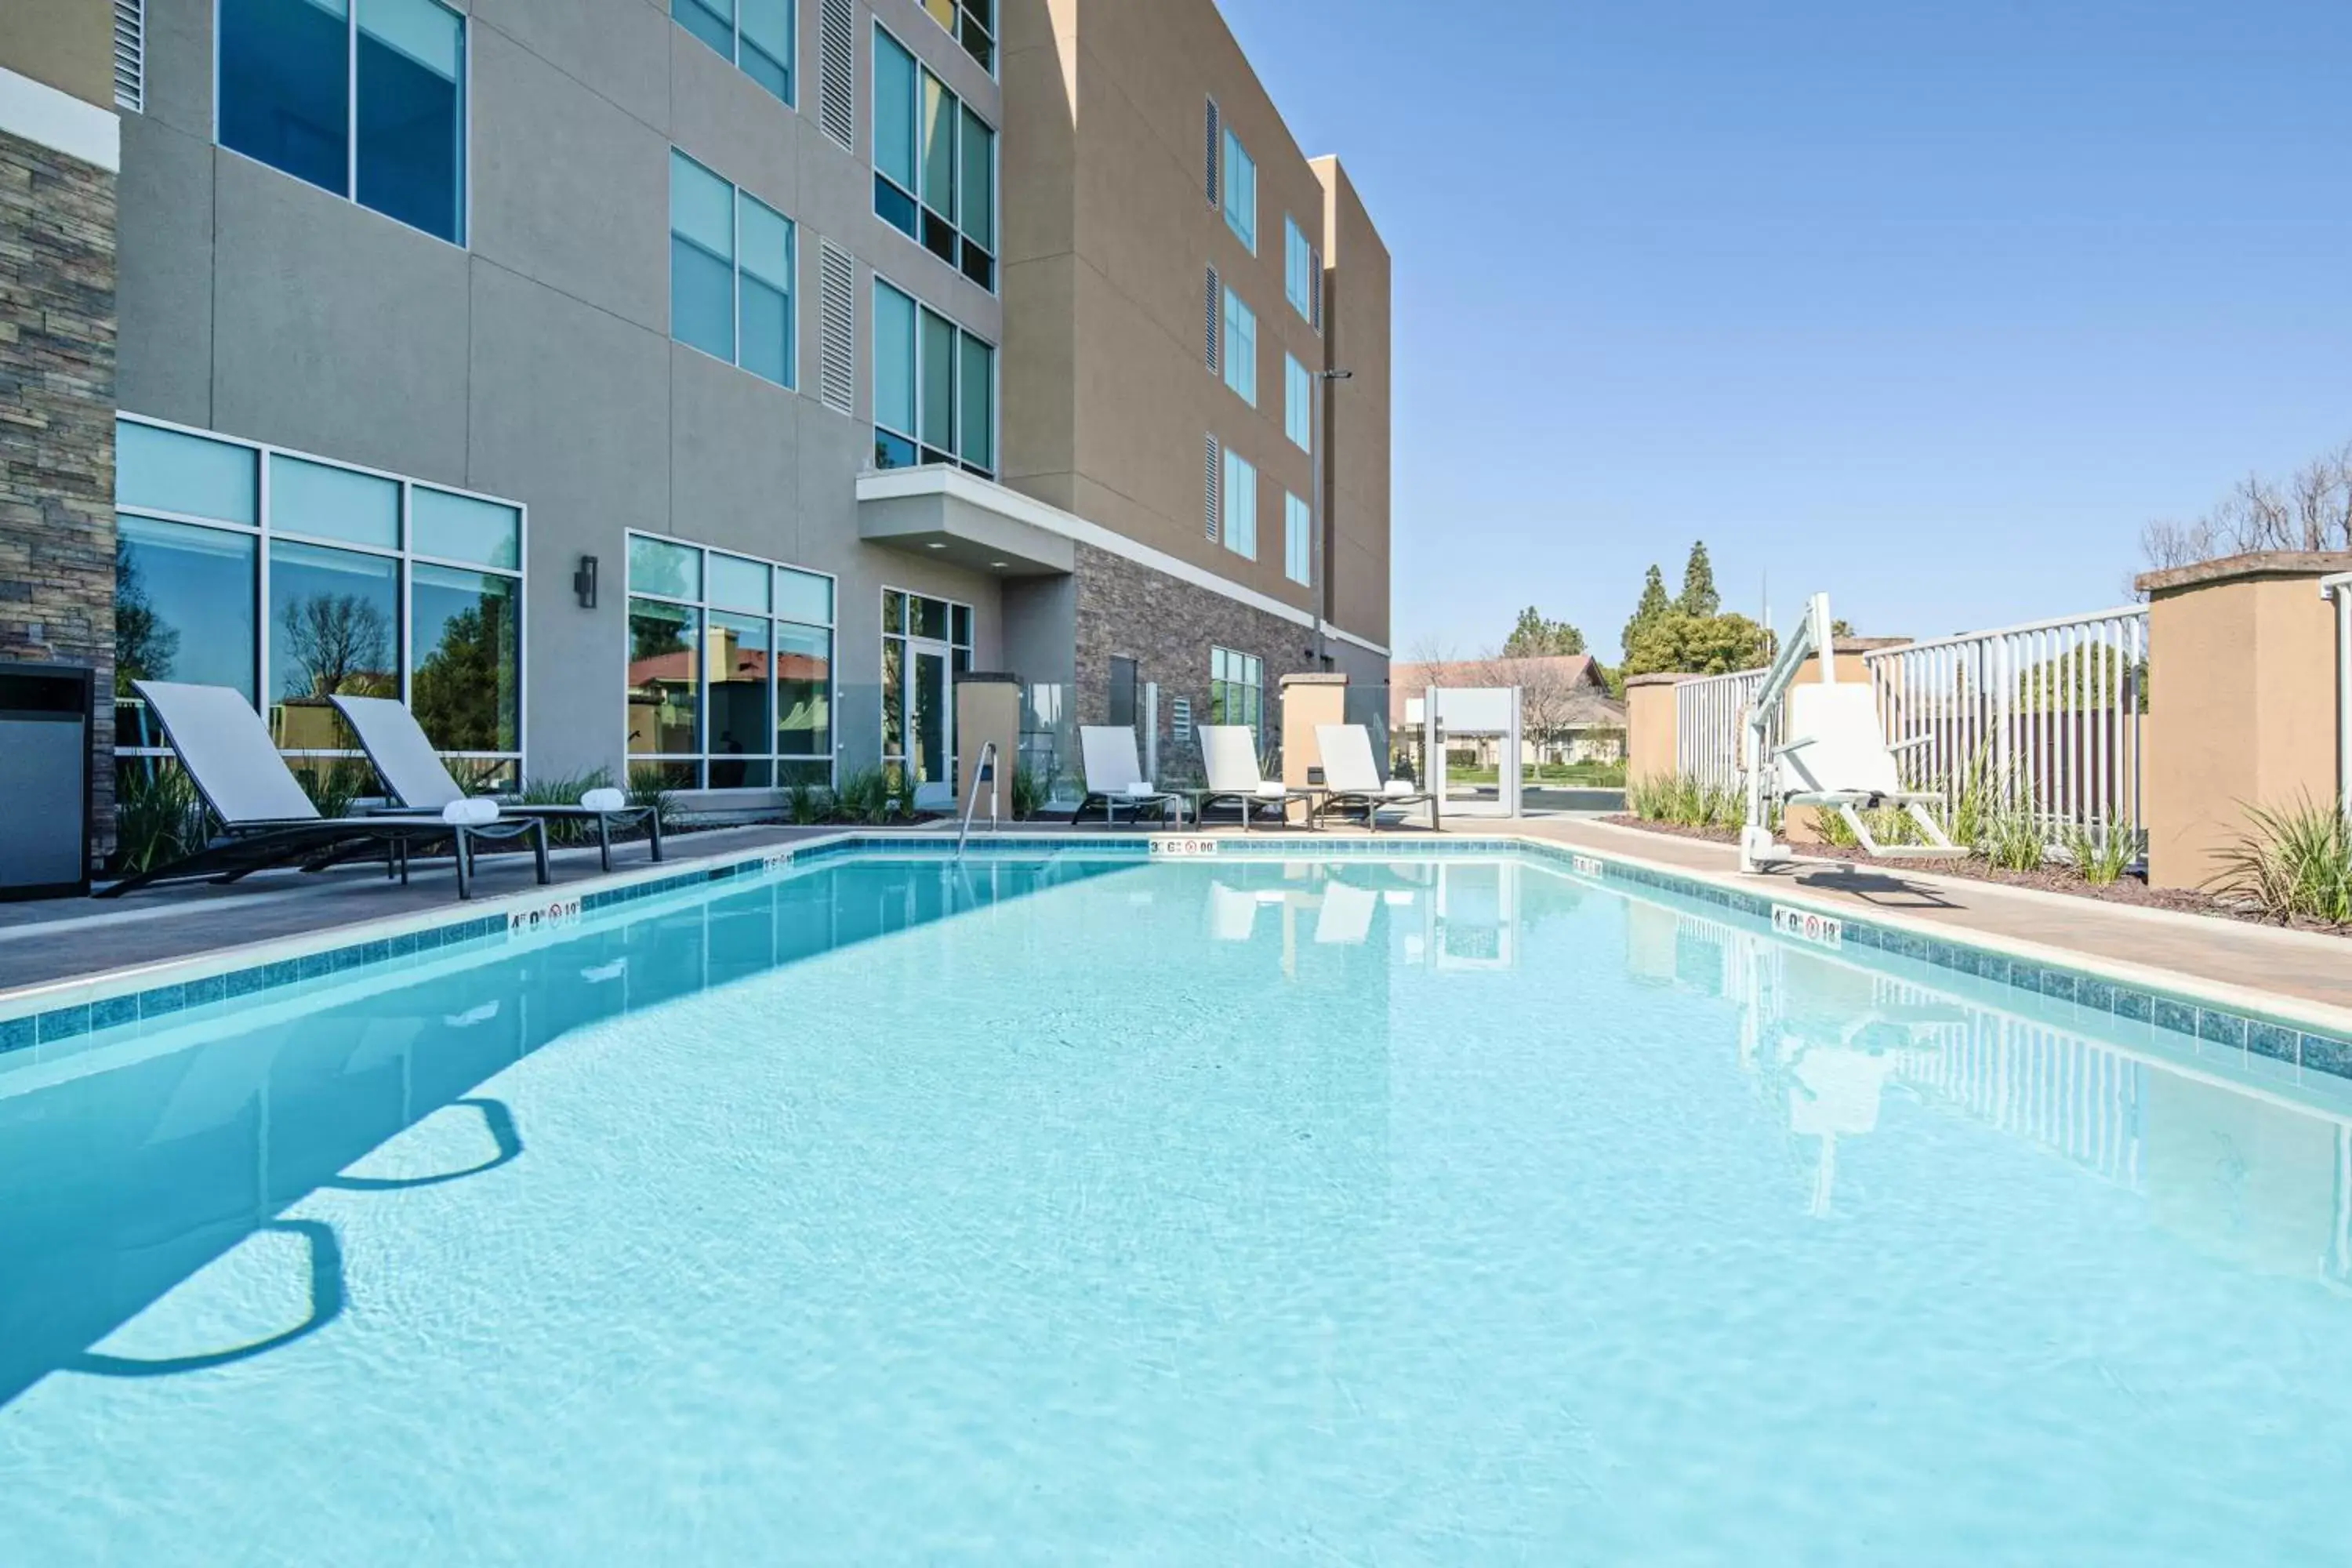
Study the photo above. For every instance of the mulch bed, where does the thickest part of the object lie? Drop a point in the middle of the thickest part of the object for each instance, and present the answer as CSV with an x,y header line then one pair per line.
x,y
2125,889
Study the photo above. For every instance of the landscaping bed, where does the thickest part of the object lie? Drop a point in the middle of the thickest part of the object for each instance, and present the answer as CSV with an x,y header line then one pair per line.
x,y
2126,889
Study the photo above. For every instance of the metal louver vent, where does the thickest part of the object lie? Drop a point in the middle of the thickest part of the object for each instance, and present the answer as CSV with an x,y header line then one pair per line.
x,y
837,370
1210,321
130,54
1212,149
1216,475
837,71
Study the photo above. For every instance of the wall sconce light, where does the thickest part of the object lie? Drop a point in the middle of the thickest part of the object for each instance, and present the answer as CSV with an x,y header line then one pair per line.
x,y
583,583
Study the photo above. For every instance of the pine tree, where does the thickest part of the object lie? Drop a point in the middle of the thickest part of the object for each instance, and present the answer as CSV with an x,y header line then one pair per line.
x,y
1699,597
1535,638
1653,606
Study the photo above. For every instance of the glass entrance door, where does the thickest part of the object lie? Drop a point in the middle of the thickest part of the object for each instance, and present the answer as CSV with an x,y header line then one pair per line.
x,y
930,722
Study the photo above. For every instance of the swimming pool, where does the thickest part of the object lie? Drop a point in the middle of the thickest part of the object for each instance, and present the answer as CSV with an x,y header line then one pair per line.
x,y
1434,1208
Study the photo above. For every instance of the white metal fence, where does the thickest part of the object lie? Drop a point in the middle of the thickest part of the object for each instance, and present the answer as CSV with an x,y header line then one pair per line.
x,y
2047,715
1708,714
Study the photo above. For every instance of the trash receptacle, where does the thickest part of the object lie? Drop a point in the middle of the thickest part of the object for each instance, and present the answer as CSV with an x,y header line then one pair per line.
x,y
45,712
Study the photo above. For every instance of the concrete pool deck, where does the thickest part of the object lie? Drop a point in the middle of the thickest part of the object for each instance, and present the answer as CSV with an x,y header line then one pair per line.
x,y
45,943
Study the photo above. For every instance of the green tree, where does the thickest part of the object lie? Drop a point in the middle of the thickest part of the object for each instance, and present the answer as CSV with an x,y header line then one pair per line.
x,y
462,691
1699,599
1841,628
1698,645
1654,605
1534,637
144,643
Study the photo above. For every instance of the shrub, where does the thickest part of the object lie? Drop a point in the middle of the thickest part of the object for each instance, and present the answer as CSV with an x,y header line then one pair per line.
x,y
334,784
805,803
1029,794
1686,801
864,796
2010,837
2291,861
565,789
2102,856
157,816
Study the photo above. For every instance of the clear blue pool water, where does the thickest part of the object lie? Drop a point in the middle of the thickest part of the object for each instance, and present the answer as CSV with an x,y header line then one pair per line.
x,y
1426,1212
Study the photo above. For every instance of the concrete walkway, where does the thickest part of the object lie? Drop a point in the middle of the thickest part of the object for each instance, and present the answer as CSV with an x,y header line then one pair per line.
x,y
2308,965
58,939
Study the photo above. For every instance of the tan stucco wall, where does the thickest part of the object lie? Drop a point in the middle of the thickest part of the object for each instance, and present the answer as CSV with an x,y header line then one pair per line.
x,y
66,43
2242,692
1108,396
1650,727
985,710
1307,701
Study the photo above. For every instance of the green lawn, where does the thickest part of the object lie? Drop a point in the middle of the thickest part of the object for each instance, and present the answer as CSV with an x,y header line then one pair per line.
x,y
1584,775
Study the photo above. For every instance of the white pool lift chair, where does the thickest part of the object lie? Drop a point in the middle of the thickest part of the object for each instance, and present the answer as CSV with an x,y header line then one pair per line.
x,y
1835,756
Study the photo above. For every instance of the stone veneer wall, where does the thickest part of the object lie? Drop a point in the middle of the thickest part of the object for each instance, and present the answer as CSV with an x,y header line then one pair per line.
x,y
1126,609
56,427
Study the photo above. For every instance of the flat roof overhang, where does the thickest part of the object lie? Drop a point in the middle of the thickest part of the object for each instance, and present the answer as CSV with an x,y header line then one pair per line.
x,y
946,514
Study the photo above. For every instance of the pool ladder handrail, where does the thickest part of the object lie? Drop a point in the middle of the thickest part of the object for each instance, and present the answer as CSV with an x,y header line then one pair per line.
x,y
983,773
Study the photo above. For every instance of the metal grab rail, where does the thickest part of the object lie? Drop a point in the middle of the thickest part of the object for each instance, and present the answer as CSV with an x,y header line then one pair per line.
x,y
984,772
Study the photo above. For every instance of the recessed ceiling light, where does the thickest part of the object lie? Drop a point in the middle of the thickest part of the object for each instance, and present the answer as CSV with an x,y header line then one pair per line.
x,y
935,544
998,564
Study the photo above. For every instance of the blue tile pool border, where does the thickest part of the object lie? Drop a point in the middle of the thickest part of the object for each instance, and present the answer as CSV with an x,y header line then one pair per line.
x,y
104,1005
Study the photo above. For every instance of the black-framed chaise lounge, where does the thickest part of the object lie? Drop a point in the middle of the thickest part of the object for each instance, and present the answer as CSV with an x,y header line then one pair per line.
x,y
265,818
1353,780
412,771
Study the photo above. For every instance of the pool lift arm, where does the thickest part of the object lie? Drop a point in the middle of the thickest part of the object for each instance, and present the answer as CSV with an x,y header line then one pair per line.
x,y
1757,847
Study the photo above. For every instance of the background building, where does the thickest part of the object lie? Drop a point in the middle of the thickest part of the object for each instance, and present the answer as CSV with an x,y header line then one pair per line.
x,y
690,388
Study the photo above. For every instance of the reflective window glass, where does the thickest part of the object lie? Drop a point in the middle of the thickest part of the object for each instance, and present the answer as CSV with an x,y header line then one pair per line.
x,y
803,596
184,608
765,51
939,382
465,682
285,87
334,503
411,58
702,258
738,584
657,566
335,630
164,470
737,661
461,528
712,21
894,359
979,374
664,677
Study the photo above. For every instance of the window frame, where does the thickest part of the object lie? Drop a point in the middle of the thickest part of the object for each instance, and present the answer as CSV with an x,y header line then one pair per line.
x,y
955,460
959,661
1234,145
963,15
264,532
1222,687
737,196
1300,257
1298,552
958,107
792,94
1298,403
1240,369
1227,489
350,191
703,607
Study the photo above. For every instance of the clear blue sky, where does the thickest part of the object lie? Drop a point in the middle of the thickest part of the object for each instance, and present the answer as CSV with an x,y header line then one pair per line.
x,y
1927,305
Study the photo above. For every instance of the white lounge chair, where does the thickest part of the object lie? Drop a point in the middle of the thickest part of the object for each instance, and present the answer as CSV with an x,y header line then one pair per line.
x,y
1115,776
1229,754
1347,915
267,820
1351,779
412,771
1837,759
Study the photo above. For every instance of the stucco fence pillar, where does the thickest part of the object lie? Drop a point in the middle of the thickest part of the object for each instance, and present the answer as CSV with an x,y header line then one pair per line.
x,y
2243,704
1309,698
1651,746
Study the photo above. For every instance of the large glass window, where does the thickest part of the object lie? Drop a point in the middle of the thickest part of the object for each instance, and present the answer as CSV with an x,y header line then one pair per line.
x,y
1241,192
934,164
757,34
1297,409
729,682
1302,271
730,272
1297,542
973,22
1237,688
1241,348
934,388
367,100
376,586
1240,505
